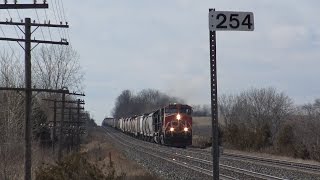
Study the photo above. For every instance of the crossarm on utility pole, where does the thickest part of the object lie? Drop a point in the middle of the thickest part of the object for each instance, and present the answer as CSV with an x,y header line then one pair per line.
x,y
35,41
24,6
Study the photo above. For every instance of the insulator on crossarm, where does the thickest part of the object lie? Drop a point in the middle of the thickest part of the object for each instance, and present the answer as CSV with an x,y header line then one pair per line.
x,y
44,1
34,1
5,1
49,22
15,1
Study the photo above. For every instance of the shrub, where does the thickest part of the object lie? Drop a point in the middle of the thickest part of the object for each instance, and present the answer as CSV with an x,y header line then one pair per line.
x,y
74,167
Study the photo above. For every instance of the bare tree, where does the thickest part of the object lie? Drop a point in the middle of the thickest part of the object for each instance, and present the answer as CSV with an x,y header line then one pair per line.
x,y
201,111
56,67
306,125
255,116
11,115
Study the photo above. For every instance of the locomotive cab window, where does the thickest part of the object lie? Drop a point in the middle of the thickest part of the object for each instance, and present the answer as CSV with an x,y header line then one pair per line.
x,y
171,110
186,110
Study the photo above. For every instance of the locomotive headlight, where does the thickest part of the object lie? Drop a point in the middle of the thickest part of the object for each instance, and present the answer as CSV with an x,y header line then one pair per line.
x,y
185,129
178,116
172,129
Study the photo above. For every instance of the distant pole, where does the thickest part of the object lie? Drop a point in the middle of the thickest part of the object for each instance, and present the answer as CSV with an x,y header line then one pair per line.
x,y
54,124
78,125
61,127
28,98
214,104
69,133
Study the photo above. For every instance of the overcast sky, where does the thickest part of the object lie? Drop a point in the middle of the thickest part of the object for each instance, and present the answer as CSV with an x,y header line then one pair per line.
x,y
164,45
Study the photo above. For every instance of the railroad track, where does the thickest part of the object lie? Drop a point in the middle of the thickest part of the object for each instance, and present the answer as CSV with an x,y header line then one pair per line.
x,y
290,165
193,163
314,169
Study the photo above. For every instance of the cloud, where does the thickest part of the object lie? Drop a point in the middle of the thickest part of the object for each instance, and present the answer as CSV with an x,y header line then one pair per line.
x,y
289,36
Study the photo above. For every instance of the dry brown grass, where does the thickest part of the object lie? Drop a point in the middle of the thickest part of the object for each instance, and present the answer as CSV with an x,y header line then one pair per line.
x,y
201,132
12,159
99,150
201,141
201,121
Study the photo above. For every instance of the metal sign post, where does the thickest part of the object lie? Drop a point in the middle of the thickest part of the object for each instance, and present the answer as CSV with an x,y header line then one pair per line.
x,y
221,21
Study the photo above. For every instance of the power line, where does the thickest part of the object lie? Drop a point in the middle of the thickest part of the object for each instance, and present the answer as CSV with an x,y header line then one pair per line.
x,y
8,42
45,11
11,21
65,19
39,22
19,15
56,14
62,14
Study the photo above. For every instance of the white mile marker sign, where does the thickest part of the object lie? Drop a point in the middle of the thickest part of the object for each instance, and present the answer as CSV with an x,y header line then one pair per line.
x,y
231,21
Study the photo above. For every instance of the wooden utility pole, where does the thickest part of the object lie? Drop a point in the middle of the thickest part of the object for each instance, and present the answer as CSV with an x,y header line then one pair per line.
x,y
28,81
78,125
28,98
61,128
28,124
55,121
54,124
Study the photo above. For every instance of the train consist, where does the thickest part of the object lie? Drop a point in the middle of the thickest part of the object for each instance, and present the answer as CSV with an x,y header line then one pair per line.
x,y
170,125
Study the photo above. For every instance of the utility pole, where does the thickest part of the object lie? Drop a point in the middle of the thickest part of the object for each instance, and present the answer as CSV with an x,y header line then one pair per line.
x,y
63,101
55,115
28,80
61,128
54,124
28,124
28,98
78,125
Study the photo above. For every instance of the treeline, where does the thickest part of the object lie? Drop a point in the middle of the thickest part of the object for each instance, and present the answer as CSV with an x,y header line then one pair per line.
x,y
267,120
147,100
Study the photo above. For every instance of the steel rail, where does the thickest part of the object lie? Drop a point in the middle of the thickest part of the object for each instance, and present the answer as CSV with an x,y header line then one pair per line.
x,y
197,160
290,165
283,163
183,164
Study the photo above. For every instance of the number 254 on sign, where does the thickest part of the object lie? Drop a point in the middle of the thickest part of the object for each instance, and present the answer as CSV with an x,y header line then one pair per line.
x,y
231,21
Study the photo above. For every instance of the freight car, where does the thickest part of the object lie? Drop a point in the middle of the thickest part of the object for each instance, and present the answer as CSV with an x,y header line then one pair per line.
x,y
170,125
